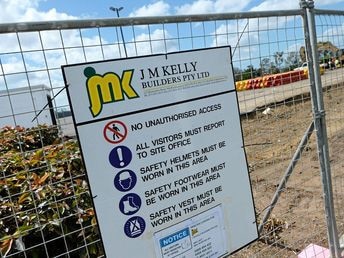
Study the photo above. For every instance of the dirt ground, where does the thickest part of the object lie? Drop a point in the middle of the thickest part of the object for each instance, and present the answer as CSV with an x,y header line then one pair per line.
x,y
298,218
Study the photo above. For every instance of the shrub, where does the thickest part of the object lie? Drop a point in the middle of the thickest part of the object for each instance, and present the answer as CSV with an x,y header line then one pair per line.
x,y
44,196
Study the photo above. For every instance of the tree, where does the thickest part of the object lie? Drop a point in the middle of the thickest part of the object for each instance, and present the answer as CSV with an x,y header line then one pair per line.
x,y
265,65
237,73
279,59
293,60
250,72
303,54
268,67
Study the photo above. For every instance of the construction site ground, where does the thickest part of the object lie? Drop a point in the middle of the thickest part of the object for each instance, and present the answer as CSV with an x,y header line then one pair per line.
x,y
271,140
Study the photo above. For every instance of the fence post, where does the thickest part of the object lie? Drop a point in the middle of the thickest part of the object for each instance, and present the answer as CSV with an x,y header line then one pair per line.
x,y
320,123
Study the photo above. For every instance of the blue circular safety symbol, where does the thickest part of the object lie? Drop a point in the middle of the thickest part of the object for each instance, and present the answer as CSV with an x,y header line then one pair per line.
x,y
125,180
120,156
130,204
134,227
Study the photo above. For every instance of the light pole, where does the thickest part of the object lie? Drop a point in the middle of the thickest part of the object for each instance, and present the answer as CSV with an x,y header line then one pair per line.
x,y
117,10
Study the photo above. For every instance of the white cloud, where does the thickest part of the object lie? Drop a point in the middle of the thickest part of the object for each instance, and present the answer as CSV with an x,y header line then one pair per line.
x,y
326,2
284,5
33,44
155,9
12,64
26,10
200,6
14,9
231,6
210,6
334,34
159,41
34,15
276,5
236,34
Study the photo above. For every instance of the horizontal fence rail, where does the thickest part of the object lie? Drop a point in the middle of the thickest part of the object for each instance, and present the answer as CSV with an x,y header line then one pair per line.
x,y
96,23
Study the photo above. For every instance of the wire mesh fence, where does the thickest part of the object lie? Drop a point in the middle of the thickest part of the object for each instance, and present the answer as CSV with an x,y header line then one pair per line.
x,y
329,27
46,207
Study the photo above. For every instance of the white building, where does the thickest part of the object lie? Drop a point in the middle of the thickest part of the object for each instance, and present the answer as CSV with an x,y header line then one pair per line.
x,y
65,123
20,106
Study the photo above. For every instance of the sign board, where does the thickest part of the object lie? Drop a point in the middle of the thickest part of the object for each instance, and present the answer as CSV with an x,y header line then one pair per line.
x,y
162,145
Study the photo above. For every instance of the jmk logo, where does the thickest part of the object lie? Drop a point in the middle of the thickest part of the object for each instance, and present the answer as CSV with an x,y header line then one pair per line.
x,y
107,88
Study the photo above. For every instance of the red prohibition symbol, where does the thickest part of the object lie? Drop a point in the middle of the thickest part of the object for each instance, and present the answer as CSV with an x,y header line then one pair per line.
x,y
115,131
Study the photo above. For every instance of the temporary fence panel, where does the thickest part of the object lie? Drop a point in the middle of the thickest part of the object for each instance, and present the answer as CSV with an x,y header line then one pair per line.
x,y
46,206
330,31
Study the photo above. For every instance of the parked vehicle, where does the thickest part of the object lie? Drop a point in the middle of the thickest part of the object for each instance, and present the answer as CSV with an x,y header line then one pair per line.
x,y
304,66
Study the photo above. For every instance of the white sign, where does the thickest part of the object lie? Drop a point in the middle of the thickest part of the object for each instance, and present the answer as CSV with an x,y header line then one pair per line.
x,y
203,235
162,144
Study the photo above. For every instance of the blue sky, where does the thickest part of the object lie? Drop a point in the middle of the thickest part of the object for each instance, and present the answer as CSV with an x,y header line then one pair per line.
x,y
34,10
251,51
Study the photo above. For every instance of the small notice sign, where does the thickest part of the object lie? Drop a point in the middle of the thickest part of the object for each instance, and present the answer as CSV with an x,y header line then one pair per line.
x,y
162,144
203,235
